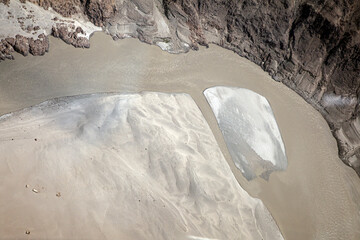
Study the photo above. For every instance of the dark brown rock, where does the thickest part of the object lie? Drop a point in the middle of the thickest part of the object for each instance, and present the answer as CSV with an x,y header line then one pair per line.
x,y
67,8
62,31
6,2
11,41
311,46
79,30
40,46
100,11
5,50
21,45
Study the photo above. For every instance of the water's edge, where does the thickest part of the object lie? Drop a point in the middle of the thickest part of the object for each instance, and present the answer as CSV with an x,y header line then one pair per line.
x,y
316,188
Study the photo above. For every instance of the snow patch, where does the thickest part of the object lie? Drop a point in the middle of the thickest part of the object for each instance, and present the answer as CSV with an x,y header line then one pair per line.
x,y
164,46
250,130
332,100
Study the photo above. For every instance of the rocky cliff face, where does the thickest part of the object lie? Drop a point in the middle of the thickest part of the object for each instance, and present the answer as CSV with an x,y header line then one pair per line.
x,y
311,46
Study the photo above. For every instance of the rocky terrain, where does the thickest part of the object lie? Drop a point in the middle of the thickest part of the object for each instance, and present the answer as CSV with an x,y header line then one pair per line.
x,y
311,46
25,28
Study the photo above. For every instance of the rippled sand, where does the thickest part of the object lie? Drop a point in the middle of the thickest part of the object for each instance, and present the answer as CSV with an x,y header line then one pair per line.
x,y
317,197
129,166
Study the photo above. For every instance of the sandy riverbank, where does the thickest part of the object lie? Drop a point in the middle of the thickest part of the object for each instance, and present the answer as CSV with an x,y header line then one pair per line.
x,y
130,166
317,197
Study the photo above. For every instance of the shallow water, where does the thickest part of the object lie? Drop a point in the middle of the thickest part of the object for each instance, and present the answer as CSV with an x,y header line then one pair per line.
x,y
317,197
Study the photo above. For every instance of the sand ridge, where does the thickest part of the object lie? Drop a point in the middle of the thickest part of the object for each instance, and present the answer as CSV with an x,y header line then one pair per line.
x,y
129,166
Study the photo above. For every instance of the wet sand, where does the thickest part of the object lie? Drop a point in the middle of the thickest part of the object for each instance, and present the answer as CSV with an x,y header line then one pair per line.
x,y
317,197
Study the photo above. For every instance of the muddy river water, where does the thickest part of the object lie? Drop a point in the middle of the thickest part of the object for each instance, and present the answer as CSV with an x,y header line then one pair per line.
x,y
317,197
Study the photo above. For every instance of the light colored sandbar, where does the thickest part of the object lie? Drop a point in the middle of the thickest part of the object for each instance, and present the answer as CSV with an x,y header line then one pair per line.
x,y
121,166
317,197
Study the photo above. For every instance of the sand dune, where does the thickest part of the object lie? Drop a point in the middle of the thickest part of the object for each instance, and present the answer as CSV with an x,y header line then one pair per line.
x,y
129,166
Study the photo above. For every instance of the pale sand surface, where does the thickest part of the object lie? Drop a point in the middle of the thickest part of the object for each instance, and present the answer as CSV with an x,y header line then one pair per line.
x,y
317,197
121,166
